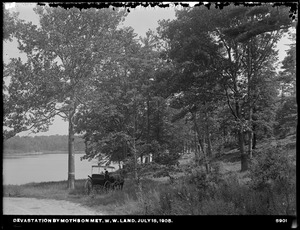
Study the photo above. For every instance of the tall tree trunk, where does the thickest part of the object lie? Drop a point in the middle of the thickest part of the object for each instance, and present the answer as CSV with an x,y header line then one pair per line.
x,y
135,162
282,93
190,141
244,156
200,142
197,150
148,119
148,125
254,129
209,148
250,133
157,123
71,157
254,138
136,178
205,154
241,140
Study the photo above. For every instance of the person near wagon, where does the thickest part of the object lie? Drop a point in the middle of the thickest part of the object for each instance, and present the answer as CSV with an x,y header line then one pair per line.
x,y
106,176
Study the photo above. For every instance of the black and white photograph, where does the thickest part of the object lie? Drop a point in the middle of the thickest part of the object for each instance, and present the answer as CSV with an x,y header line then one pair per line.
x,y
149,110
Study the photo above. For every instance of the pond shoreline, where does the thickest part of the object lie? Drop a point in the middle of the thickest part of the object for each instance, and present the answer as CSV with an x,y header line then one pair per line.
x,y
11,154
50,166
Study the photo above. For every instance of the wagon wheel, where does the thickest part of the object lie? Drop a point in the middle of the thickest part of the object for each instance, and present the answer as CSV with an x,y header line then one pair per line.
x,y
101,188
116,185
88,187
107,186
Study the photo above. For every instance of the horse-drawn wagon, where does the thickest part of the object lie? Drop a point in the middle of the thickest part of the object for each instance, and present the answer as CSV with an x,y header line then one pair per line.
x,y
103,182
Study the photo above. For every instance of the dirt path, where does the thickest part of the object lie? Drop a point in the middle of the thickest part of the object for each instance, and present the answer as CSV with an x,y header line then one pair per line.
x,y
33,206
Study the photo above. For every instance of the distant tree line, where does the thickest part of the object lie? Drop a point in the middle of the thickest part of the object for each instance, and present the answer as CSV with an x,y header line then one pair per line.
x,y
42,143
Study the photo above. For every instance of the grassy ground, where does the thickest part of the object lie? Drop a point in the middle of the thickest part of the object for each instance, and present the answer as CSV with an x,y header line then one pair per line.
x,y
225,192
113,202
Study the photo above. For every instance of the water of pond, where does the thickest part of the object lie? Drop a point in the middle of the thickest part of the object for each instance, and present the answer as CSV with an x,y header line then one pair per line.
x,y
21,169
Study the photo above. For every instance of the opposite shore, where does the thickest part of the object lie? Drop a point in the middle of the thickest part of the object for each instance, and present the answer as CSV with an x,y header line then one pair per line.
x,y
7,153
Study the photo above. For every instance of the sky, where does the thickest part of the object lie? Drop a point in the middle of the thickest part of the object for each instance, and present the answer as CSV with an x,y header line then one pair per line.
x,y
141,19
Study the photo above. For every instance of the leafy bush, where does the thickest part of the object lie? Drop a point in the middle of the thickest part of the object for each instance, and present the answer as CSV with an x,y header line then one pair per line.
x,y
179,199
218,207
271,166
230,189
201,181
274,173
167,158
150,168
161,173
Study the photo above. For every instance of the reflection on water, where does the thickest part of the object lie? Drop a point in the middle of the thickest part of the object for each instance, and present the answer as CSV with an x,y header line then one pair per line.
x,y
42,167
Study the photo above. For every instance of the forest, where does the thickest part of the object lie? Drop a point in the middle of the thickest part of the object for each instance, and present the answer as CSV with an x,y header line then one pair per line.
x,y
203,84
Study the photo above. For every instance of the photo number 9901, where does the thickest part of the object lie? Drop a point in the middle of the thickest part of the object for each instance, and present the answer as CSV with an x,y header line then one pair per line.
x,y
281,220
